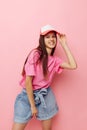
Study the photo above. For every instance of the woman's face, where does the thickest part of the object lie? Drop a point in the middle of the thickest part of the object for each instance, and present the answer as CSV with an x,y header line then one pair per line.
x,y
50,40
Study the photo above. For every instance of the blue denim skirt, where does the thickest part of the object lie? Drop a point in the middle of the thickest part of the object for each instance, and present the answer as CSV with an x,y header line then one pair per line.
x,y
45,102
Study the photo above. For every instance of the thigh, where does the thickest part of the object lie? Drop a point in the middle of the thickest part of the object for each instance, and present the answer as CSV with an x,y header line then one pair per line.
x,y
47,124
22,109
19,126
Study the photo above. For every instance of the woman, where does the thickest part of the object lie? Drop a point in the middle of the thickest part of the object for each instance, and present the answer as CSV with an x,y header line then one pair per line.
x,y
37,98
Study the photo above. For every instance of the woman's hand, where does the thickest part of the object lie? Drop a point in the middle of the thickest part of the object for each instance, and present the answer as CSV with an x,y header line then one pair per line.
x,y
34,110
62,39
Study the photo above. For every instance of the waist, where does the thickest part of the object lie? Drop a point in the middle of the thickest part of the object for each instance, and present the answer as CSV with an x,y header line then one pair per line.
x,y
37,90
39,95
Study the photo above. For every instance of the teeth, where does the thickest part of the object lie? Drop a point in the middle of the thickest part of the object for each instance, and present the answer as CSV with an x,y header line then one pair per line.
x,y
51,43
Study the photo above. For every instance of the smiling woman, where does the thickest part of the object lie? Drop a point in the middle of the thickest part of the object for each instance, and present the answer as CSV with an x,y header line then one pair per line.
x,y
38,70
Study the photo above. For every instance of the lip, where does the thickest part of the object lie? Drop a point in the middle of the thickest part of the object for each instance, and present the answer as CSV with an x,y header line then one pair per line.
x,y
51,43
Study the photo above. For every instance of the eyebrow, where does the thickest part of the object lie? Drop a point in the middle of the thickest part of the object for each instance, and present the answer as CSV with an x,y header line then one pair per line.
x,y
53,33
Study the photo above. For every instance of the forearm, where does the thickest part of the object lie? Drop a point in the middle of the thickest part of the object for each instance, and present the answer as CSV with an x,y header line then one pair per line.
x,y
70,57
71,64
29,90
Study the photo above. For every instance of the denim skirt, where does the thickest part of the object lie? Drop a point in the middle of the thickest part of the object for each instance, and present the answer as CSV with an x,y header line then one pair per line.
x,y
45,102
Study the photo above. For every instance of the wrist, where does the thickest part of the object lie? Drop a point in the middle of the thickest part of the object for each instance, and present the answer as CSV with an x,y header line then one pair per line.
x,y
64,44
32,106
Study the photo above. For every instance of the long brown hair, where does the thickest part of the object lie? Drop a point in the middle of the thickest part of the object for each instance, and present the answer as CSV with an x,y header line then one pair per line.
x,y
43,55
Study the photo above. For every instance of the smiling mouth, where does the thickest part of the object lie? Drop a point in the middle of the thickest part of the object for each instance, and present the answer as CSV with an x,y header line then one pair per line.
x,y
51,43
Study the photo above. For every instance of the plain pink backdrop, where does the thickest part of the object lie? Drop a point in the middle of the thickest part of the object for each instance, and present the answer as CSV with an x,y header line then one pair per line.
x,y
20,21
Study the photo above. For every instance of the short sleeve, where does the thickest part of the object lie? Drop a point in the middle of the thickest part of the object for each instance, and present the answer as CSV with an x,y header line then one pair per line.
x,y
30,66
58,62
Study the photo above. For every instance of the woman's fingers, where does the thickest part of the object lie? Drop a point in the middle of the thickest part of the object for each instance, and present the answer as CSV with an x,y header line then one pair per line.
x,y
34,111
62,38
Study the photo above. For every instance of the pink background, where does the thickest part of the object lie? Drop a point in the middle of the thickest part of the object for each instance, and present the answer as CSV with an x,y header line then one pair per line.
x,y
20,21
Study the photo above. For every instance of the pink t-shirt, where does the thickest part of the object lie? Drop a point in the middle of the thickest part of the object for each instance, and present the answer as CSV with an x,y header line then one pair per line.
x,y
32,68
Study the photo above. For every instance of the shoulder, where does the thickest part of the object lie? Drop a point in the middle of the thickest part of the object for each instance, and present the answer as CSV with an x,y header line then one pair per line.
x,y
33,55
34,52
57,61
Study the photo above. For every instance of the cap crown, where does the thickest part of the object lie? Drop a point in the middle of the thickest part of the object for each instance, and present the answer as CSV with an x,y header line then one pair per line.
x,y
47,28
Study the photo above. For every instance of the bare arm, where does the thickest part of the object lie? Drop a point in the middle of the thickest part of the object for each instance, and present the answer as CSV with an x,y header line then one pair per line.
x,y
71,63
29,90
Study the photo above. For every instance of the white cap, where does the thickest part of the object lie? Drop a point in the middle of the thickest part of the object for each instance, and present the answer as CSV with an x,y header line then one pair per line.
x,y
47,28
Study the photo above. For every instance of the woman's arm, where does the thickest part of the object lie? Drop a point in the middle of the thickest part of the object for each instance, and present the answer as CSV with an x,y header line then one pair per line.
x,y
29,90
71,64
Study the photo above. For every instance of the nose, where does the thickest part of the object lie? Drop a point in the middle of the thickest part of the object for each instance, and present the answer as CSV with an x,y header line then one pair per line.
x,y
51,38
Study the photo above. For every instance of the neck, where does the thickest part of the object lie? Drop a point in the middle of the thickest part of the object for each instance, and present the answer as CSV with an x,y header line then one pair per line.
x,y
49,51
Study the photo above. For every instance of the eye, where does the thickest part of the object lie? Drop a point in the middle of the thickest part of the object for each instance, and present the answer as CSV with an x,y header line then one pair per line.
x,y
54,36
47,36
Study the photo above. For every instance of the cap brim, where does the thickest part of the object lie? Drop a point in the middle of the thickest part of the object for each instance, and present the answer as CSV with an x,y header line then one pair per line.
x,y
45,32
